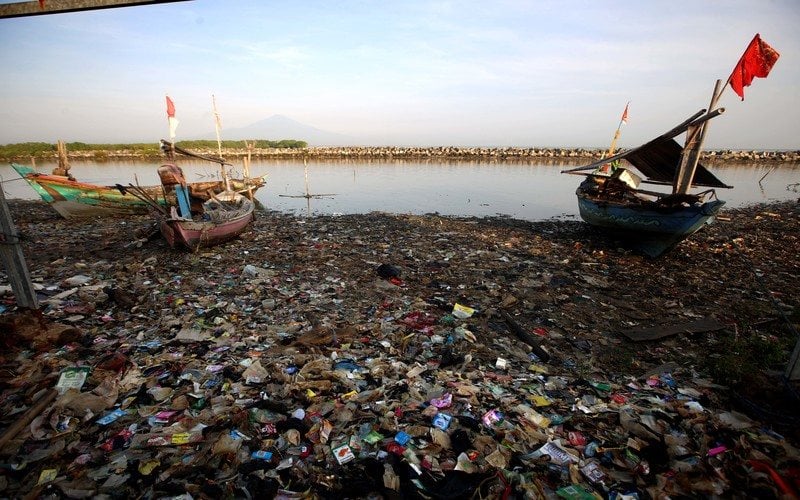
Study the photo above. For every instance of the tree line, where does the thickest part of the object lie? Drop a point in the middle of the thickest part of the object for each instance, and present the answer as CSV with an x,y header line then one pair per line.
x,y
46,149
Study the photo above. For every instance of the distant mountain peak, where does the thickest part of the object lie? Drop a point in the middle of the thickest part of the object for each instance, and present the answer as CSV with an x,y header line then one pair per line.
x,y
278,127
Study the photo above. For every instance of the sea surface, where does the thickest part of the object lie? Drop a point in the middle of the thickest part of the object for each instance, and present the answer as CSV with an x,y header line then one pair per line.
x,y
529,190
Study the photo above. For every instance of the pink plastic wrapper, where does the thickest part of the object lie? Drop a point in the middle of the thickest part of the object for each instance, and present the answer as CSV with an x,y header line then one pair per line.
x,y
444,402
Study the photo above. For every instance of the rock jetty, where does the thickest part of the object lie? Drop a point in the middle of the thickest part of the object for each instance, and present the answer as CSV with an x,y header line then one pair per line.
x,y
444,153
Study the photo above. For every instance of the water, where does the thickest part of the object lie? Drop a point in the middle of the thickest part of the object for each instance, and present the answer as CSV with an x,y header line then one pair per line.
x,y
523,190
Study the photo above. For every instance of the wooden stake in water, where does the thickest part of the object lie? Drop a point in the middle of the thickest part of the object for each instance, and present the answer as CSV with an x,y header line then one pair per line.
x,y
308,195
249,146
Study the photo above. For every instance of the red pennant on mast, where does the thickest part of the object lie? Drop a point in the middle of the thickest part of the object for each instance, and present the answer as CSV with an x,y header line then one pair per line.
x,y
757,61
170,108
173,122
625,114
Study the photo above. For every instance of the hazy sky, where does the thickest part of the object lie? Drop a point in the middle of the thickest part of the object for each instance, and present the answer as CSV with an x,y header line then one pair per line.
x,y
411,72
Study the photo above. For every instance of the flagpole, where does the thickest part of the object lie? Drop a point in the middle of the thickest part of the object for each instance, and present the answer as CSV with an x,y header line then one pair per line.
x,y
607,166
616,134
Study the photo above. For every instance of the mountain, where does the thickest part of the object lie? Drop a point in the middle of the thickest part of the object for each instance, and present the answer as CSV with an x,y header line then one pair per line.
x,y
278,127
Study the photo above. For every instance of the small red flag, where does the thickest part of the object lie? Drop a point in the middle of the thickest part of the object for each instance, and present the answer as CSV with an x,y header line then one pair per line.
x,y
173,122
757,61
625,115
170,108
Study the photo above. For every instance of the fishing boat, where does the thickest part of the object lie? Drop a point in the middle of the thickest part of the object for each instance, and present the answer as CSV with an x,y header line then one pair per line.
x,y
74,199
223,217
612,197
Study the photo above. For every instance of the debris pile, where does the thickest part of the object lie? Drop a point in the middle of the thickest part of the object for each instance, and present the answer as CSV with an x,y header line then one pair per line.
x,y
398,356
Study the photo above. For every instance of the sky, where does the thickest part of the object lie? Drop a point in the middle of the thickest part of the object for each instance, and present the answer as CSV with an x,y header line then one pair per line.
x,y
505,73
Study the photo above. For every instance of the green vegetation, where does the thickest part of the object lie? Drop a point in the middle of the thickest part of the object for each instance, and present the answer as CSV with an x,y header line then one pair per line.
x,y
747,354
102,151
261,144
37,149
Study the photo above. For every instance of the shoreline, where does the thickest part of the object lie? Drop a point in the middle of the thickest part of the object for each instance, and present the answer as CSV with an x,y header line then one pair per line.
x,y
433,153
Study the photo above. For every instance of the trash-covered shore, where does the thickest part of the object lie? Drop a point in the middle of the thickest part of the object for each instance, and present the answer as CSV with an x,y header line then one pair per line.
x,y
402,356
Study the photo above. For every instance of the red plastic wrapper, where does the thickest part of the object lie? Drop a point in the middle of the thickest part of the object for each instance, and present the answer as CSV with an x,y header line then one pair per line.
x,y
118,441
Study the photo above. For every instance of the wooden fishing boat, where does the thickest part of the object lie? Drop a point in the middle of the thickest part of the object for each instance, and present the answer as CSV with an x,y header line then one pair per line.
x,y
652,222
611,196
224,217
73,199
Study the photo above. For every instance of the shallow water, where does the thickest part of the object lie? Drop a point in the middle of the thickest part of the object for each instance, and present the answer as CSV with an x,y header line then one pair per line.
x,y
524,190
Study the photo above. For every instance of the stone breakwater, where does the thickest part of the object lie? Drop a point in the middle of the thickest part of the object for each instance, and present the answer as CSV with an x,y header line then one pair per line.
x,y
520,153
446,153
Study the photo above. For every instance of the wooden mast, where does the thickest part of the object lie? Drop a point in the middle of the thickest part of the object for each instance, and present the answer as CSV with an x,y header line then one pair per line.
x,y
217,126
608,166
246,160
695,135
63,160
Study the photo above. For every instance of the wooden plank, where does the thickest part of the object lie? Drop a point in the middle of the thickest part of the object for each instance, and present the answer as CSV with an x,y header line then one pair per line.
x,y
526,337
37,8
14,260
660,331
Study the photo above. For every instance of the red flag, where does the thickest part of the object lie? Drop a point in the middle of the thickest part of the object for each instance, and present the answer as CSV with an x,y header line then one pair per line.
x,y
173,122
757,61
625,114
170,108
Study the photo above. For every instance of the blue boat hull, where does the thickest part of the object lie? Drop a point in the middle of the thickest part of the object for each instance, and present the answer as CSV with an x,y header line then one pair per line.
x,y
652,230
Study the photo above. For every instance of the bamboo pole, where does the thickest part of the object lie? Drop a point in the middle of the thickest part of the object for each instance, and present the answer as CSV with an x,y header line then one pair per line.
x,y
677,130
217,126
250,146
29,415
186,152
619,126
693,146
308,195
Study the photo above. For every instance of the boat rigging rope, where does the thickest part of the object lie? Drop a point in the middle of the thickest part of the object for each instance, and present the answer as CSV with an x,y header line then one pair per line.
x,y
11,180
